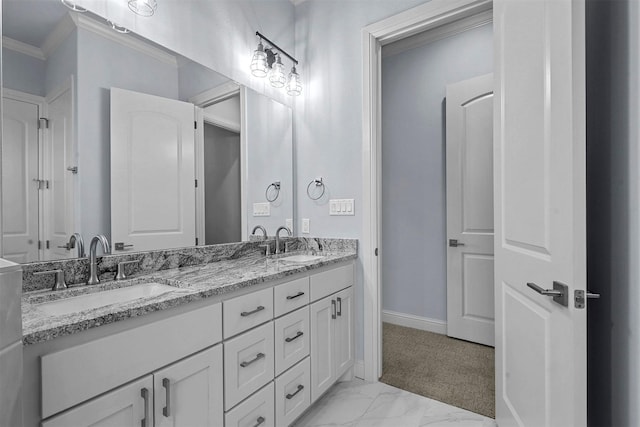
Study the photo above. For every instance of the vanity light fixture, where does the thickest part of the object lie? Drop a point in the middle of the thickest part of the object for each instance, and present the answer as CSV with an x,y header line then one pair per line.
x,y
143,7
266,62
73,6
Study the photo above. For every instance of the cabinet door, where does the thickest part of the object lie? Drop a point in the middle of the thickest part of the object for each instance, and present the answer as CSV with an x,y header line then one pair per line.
x,y
189,392
323,372
126,406
344,342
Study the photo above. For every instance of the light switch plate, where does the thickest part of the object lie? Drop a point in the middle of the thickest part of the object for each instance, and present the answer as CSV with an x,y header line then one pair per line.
x,y
261,209
305,225
341,207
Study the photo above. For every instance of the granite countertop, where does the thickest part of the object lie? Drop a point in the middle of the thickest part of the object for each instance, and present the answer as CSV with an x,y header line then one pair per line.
x,y
191,284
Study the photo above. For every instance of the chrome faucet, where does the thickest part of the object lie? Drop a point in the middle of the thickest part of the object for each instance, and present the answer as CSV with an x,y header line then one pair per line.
x,y
77,240
278,237
261,228
93,263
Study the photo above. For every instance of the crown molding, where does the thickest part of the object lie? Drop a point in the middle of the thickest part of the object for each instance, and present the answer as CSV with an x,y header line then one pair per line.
x,y
438,33
24,48
72,21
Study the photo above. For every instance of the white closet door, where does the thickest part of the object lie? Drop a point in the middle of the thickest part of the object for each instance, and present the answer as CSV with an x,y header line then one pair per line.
x,y
540,211
470,307
152,171
19,181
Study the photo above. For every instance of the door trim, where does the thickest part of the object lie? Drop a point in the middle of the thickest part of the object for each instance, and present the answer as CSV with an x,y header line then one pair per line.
x,y
421,18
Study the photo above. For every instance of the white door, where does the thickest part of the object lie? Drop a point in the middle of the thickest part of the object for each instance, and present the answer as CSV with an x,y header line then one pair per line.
x,y
540,213
189,393
152,172
127,406
20,181
58,156
470,308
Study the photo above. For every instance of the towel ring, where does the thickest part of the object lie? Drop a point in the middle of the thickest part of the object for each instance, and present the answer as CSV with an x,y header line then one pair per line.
x,y
276,190
318,182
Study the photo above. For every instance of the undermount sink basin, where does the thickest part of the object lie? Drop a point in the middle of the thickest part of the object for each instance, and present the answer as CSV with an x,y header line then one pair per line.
x,y
103,298
301,259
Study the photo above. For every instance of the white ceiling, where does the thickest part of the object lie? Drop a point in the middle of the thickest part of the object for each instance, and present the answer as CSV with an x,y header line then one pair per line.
x,y
31,21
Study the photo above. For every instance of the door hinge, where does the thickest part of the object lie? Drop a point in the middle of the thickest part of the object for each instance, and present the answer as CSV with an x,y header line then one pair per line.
x,y
196,183
376,252
42,120
195,125
196,241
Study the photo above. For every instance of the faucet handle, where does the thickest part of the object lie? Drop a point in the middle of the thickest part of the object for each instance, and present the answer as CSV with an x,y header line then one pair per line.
x,y
120,275
59,283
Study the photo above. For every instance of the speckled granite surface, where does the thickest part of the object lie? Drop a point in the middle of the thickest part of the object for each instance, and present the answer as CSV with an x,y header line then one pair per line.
x,y
191,282
76,271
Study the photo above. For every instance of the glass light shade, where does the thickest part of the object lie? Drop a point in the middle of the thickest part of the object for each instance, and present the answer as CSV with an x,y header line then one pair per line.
x,y
276,76
118,28
259,65
294,86
143,7
73,6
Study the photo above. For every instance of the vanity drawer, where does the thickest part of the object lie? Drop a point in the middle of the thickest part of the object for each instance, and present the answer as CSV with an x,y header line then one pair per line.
x,y
291,339
248,364
247,311
258,410
331,281
290,296
293,393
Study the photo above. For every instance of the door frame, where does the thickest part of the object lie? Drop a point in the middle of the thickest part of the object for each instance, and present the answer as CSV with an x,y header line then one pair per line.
x,y
204,99
421,18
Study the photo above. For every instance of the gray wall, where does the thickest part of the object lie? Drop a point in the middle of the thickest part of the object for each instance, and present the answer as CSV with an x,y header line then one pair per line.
x,y
222,185
613,236
328,116
22,72
414,261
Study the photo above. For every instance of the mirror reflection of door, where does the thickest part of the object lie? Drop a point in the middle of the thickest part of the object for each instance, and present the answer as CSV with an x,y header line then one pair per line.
x,y
222,172
20,183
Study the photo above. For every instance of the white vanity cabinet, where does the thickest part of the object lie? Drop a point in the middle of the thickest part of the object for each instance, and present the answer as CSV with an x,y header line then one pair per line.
x,y
187,393
258,358
332,344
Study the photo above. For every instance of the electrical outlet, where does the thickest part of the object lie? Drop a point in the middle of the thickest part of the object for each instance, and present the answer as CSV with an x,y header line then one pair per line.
x,y
305,225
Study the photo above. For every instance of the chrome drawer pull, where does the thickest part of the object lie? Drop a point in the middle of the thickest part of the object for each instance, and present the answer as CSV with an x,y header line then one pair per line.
x,y
145,396
258,357
339,306
298,335
166,411
259,421
299,294
249,313
291,395
333,309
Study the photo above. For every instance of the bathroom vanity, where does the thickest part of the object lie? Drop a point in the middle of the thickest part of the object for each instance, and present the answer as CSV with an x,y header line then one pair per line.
x,y
249,341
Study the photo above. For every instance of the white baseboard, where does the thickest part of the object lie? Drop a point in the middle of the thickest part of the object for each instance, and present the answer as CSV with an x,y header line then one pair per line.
x,y
416,322
358,369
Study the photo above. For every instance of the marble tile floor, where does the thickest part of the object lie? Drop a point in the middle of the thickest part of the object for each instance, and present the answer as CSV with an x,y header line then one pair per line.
x,y
361,404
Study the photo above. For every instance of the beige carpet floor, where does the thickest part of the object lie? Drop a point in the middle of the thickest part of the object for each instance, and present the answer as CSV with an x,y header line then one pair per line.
x,y
452,371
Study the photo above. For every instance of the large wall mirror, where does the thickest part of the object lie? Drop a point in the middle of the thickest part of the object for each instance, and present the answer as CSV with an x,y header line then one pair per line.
x,y
109,133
